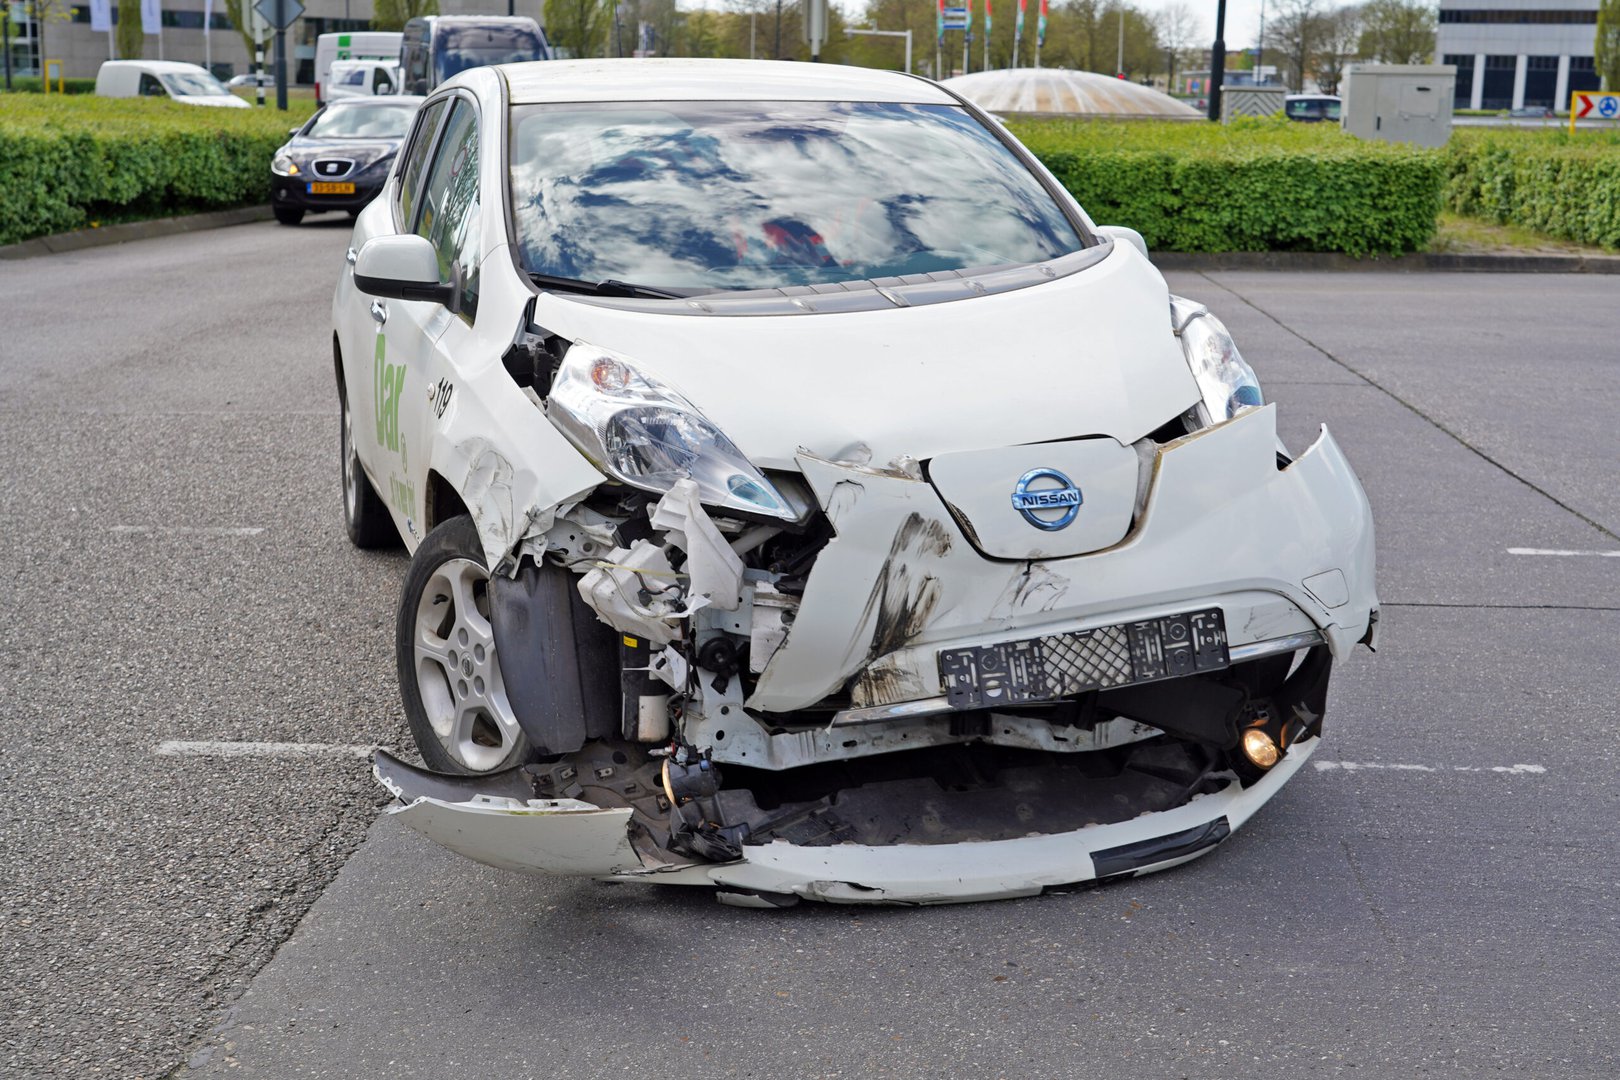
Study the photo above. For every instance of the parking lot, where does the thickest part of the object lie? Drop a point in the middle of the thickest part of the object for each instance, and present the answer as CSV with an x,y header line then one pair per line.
x,y
1434,892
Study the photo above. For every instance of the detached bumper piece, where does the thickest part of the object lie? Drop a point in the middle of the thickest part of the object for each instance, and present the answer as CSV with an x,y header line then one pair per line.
x,y
945,825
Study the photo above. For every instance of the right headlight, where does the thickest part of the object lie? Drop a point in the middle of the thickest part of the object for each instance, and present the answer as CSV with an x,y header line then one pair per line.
x,y
645,434
282,164
1226,382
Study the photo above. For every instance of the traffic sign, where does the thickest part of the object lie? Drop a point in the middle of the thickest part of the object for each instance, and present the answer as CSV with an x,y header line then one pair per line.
x,y
279,13
1590,105
956,18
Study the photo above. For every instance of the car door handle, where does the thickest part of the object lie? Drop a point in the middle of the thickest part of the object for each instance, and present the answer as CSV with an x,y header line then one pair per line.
x,y
379,312
350,255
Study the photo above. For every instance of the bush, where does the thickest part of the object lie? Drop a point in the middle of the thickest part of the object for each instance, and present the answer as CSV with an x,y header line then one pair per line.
x,y
1253,185
65,162
30,84
1548,180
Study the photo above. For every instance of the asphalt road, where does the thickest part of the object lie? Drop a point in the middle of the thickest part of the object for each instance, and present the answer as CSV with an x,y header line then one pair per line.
x,y
1435,895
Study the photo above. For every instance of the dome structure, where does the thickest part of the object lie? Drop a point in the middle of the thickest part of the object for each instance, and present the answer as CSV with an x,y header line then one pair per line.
x,y
1061,92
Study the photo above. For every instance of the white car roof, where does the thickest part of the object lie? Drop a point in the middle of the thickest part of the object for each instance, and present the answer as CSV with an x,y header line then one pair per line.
x,y
671,79
155,67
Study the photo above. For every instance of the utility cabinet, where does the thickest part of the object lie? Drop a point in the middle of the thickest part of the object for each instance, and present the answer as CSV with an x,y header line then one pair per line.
x,y
1408,103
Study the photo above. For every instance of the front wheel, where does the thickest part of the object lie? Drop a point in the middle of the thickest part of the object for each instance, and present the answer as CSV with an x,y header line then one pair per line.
x,y
288,215
449,676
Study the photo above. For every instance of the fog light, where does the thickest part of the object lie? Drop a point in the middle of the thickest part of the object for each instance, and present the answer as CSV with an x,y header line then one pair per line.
x,y
1259,748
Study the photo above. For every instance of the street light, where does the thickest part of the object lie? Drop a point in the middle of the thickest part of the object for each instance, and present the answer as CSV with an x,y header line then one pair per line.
x,y
850,31
1217,62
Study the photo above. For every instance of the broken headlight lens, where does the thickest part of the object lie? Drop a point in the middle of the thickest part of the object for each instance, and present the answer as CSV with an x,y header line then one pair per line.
x,y
1225,380
639,431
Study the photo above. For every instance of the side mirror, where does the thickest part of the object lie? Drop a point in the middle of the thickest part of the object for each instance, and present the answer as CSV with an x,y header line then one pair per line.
x,y
295,130
401,268
1121,233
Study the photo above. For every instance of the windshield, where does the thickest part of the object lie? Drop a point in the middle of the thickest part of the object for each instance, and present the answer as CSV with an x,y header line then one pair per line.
x,y
192,84
1314,110
362,122
461,47
735,195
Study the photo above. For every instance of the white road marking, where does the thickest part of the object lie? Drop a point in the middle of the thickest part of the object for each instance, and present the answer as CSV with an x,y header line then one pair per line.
x,y
1357,766
1562,552
178,748
183,530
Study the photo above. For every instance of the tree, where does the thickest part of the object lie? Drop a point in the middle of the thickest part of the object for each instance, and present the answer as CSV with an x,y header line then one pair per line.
x,y
128,34
1297,33
578,27
237,12
45,10
1397,31
1341,33
1179,30
1606,49
394,14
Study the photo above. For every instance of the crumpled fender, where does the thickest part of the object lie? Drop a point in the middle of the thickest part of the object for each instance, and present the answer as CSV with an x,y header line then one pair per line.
x,y
506,461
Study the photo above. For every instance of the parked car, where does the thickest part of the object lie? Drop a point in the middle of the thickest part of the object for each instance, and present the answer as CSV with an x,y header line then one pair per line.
x,y
362,78
185,83
436,47
339,158
806,499
1531,112
356,45
252,78
1312,108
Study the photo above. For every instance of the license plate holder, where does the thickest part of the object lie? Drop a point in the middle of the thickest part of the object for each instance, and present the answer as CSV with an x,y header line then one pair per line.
x,y
1104,657
324,187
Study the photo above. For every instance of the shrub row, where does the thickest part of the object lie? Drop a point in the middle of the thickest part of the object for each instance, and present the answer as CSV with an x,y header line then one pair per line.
x,y
30,84
1253,185
65,162
1550,181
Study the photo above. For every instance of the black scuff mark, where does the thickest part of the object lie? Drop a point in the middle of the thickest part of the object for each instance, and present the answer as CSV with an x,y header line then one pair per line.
x,y
904,596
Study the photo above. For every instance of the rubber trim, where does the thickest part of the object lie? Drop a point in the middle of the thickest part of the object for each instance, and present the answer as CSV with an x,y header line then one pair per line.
x,y
1128,858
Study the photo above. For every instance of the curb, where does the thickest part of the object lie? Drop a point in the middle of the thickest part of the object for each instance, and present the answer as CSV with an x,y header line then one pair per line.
x,y
80,239
1482,263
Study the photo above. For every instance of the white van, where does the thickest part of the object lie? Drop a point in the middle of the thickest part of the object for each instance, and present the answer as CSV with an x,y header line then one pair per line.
x,y
186,83
362,78
369,45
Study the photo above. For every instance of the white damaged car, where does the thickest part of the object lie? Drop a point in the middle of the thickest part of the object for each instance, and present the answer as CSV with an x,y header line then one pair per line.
x,y
806,499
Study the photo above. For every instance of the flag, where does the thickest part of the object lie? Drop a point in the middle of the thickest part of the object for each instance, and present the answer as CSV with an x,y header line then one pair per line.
x,y
987,19
1018,26
1040,27
208,15
151,17
101,16
939,23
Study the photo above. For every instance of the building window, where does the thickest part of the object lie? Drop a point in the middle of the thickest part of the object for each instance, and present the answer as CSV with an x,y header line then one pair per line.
x,y
1464,63
1582,76
1498,88
1492,15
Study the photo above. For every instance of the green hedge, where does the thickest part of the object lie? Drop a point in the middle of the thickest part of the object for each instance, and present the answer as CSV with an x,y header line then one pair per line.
x,y
1547,180
68,161
30,84
1253,185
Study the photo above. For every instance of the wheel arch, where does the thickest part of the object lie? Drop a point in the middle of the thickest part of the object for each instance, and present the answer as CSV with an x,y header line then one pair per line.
x,y
440,501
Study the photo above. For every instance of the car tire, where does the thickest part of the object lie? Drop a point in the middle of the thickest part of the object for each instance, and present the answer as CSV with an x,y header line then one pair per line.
x,y
288,215
365,517
449,675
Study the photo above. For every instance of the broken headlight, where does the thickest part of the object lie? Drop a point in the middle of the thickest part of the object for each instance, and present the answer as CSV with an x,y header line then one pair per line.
x,y
1226,382
641,432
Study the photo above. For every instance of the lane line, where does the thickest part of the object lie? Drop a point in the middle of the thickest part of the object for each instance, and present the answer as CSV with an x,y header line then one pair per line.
x,y
1564,553
183,530
219,748
1358,766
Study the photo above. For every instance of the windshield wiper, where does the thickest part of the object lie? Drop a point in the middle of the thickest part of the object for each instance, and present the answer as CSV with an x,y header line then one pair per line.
x,y
606,287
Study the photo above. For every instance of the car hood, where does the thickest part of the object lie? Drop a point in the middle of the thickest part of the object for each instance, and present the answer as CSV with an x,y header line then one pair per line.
x,y
1089,353
224,101
362,152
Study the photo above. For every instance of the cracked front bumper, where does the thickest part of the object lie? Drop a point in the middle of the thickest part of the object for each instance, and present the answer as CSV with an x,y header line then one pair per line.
x,y
487,820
